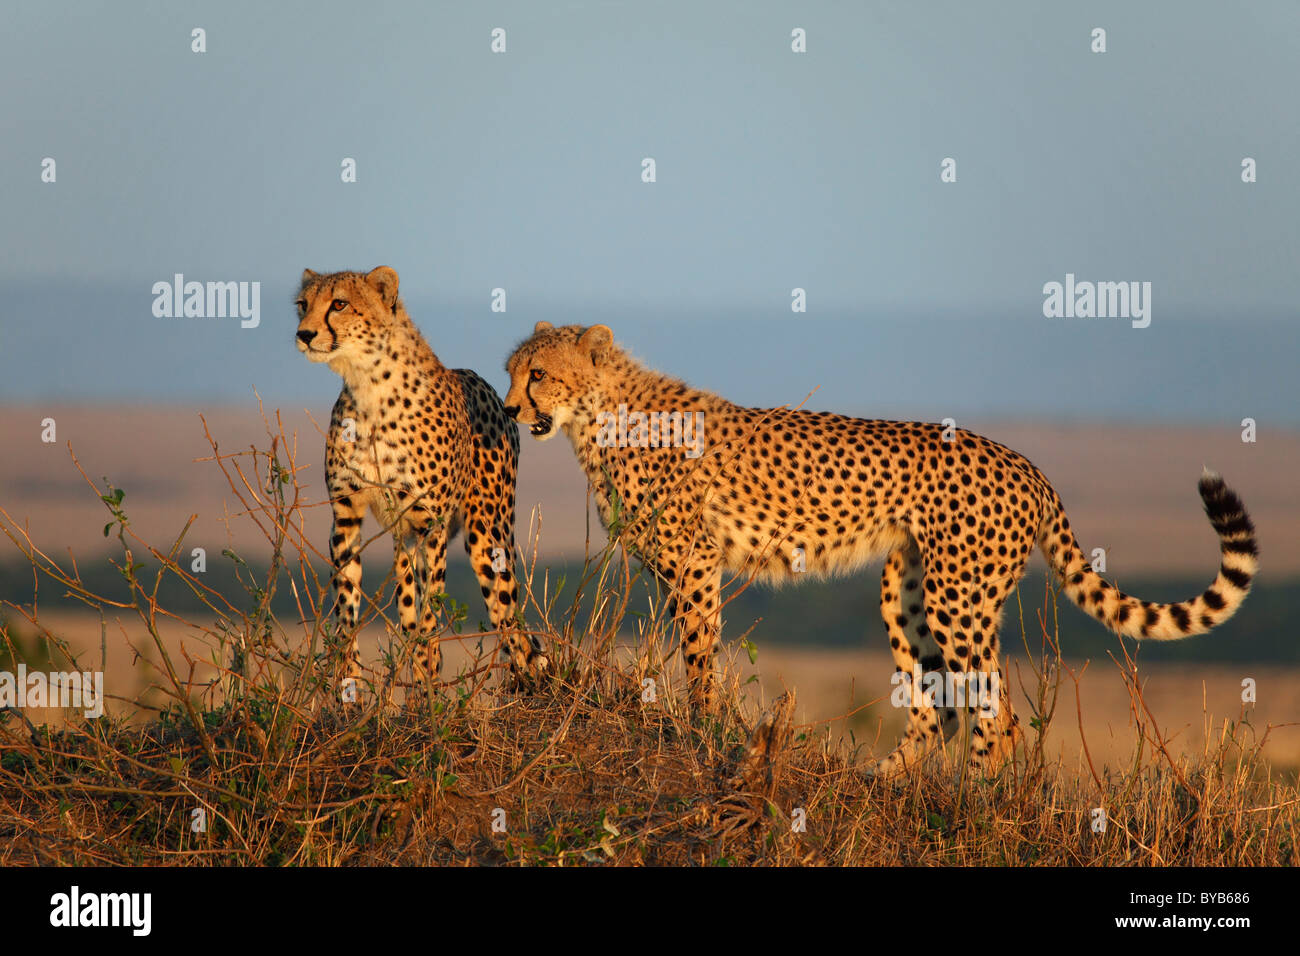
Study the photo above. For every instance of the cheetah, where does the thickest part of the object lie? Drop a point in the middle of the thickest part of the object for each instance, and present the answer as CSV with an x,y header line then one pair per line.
x,y
426,449
773,492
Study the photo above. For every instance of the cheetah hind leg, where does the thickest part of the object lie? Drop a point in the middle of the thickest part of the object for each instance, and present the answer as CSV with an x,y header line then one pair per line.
x,y
902,608
995,733
427,653
995,728
490,543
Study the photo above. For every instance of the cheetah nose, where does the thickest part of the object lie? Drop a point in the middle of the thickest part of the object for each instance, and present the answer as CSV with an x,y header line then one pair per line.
x,y
306,335
512,410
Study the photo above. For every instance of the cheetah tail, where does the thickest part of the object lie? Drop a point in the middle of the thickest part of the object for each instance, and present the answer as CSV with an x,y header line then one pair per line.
x,y
1131,617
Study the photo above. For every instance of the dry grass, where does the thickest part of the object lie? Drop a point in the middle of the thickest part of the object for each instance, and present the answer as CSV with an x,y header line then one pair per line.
x,y
585,770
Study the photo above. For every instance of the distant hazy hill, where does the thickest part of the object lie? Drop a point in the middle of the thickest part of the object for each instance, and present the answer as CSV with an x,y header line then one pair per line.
x,y
1130,490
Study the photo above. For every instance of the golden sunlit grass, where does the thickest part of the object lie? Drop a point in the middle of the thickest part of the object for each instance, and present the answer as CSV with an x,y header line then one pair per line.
x,y
602,765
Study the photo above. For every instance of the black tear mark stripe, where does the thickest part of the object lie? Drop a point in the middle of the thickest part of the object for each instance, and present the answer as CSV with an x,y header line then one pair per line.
x,y
334,336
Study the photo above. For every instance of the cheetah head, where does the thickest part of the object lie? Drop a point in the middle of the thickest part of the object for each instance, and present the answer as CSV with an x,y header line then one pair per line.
x,y
555,376
344,316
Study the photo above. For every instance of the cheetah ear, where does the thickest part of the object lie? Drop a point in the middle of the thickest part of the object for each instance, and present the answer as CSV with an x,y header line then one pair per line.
x,y
542,327
597,340
309,276
384,281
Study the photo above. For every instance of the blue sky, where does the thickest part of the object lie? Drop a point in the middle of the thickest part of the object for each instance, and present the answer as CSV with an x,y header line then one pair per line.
x,y
775,170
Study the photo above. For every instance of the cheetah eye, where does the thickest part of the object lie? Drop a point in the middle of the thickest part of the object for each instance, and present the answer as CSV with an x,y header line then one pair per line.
x,y
338,305
302,305
537,375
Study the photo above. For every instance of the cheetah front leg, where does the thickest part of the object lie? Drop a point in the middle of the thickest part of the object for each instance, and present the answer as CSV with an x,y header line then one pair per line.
x,y
696,580
406,566
345,557
915,652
